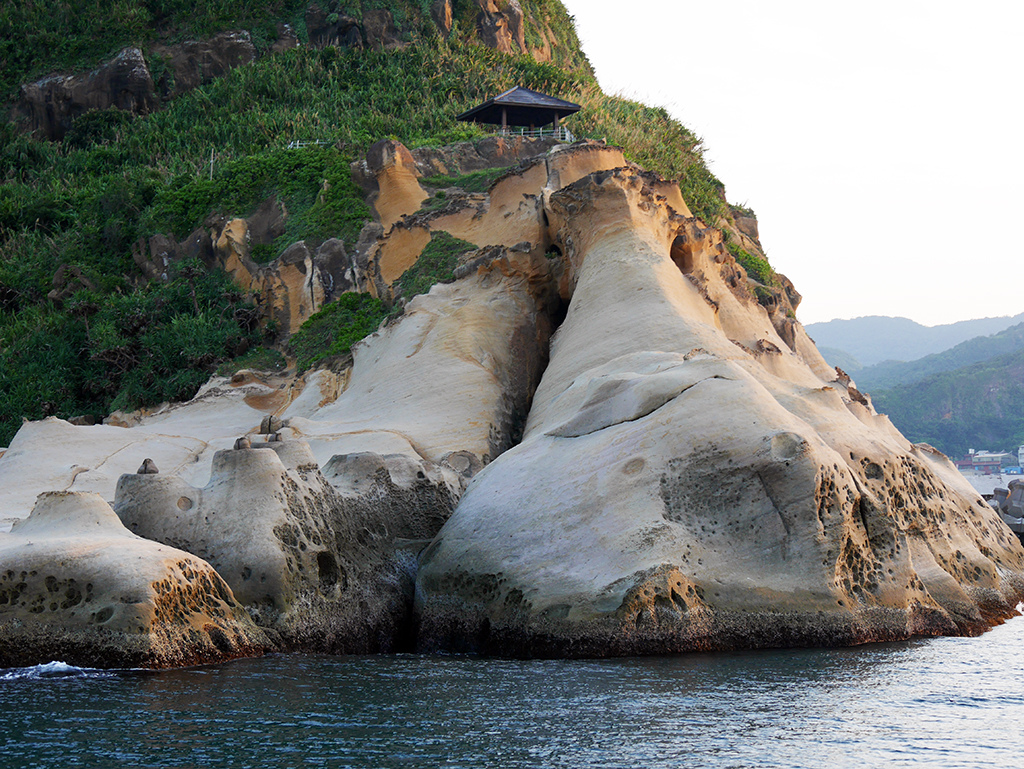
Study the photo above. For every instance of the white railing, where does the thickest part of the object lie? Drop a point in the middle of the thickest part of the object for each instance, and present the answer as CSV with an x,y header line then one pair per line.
x,y
561,133
297,145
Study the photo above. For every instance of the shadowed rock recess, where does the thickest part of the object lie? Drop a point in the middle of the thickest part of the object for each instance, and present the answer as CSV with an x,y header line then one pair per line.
x,y
594,436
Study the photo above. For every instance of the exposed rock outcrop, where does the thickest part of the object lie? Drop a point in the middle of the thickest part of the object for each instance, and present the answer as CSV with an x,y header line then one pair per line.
x,y
676,467
50,104
321,569
509,214
501,28
192,63
78,586
688,480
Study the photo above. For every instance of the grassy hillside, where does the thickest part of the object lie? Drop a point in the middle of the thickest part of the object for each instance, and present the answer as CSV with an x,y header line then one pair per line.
x,y
892,373
82,203
979,406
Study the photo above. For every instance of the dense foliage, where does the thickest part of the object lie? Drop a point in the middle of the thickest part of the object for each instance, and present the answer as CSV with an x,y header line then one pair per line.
x,y
332,331
979,406
121,351
757,267
436,264
116,180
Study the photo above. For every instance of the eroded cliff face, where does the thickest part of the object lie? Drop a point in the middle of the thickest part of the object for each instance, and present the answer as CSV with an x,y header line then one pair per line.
x,y
689,479
597,437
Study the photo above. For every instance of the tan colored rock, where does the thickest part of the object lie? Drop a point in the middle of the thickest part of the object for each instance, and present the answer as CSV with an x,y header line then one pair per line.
x,y
398,189
509,214
501,27
77,586
288,290
455,374
318,567
441,13
689,481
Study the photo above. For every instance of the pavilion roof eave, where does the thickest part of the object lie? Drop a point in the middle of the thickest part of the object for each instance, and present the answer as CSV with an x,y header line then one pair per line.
x,y
521,107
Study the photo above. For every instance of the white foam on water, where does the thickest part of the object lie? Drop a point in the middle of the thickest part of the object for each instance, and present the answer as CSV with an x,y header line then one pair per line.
x,y
53,669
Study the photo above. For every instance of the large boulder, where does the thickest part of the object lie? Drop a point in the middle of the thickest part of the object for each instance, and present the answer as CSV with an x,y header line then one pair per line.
x,y
53,102
77,586
318,569
688,480
192,63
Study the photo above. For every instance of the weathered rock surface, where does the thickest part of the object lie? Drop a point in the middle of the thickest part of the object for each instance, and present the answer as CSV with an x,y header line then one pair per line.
x,y
77,586
318,568
324,560
509,214
689,480
676,467
501,28
192,63
52,103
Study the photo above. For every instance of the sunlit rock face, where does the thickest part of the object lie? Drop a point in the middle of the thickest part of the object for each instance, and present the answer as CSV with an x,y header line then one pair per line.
x,y
318,569
598,437
77,586
690,480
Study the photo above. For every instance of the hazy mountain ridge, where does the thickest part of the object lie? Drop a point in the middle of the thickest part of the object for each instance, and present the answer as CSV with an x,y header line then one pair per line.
x,y
894,373
877,338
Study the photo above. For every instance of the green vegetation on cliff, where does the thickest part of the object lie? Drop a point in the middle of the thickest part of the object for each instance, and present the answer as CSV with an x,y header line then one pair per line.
x,y
332,331
436,264
103,352
86,202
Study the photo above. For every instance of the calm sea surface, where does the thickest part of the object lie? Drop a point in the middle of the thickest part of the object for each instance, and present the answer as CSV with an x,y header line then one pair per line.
x,y
946,702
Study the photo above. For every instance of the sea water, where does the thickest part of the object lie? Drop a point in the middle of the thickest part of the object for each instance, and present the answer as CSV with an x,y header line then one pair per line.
x,y
943,702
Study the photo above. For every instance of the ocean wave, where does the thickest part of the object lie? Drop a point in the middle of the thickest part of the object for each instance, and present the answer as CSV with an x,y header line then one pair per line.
x,y
53,669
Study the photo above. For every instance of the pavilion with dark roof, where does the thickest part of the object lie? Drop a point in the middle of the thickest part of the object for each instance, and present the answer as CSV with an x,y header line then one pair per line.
x,y
522,108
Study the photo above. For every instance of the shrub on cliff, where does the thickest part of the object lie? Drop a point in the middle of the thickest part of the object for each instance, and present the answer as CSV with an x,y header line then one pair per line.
x,y
100,353
332,331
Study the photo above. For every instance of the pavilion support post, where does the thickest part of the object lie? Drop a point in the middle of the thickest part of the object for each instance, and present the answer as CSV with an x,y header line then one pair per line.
x,y
504,120
556,125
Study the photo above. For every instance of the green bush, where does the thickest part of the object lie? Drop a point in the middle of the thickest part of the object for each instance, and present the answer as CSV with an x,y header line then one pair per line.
x,y
259,359
474,181
436,264
333,330
100,353
757,267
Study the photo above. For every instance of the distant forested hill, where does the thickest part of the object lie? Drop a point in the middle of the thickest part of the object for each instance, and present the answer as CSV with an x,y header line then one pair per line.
x,y
876,338
979,406
893,373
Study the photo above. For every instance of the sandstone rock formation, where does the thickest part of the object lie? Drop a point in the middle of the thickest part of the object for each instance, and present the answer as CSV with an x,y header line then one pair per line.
x,y
622,443
77,586
688,480
509,214
317,568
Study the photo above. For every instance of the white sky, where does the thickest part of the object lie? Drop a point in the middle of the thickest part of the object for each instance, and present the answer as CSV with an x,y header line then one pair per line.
x,y
878,142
